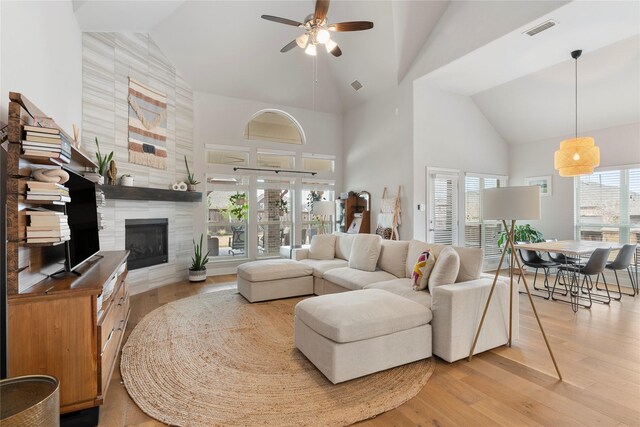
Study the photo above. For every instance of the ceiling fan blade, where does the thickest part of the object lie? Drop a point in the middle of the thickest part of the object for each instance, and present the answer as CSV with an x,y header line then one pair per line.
x,y
282,20
351,26
336,51
322,6
289,46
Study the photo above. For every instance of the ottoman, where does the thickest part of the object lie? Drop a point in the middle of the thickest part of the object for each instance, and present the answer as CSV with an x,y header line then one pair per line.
x,y
352,334
274,279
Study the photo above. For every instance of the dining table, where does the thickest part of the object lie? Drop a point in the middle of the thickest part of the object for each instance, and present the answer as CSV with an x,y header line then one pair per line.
x,y
575,252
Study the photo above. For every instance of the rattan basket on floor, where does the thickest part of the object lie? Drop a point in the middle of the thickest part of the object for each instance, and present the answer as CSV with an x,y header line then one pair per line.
x,y
31,400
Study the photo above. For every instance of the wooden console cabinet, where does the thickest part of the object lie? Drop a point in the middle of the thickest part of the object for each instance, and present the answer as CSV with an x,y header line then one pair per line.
x,y
55,328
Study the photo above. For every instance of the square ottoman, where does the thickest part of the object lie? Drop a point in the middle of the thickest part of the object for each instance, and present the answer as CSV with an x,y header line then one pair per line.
x,y
352,334
274,279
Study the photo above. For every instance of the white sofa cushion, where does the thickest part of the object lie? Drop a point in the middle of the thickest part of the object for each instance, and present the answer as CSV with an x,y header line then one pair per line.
x,y
351,278
273,269
446,269
393,256
365,252
320,266
403,288
323,246
344,241
354,316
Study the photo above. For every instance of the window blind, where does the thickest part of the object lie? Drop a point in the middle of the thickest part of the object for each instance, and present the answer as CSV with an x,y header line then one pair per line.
x,y
477,232
608,206
444,209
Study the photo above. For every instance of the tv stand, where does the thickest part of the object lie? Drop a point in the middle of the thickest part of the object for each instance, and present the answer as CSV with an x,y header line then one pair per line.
x,y
82,349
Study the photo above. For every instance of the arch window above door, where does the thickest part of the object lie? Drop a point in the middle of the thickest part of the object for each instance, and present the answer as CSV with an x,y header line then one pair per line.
x,y
274,126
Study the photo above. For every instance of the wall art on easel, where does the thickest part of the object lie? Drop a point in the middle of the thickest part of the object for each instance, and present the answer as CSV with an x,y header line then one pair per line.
x,y
147,125
544,182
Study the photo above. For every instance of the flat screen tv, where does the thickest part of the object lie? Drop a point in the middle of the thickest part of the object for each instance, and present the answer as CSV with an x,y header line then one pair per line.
x,y
82,216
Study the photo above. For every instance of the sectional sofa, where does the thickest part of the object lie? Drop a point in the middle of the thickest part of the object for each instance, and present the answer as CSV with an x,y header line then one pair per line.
x,y
346,262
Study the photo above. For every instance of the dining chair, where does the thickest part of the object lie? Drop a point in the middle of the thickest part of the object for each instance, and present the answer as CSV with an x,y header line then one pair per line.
x,y
622,262
594,267
532,259
561,258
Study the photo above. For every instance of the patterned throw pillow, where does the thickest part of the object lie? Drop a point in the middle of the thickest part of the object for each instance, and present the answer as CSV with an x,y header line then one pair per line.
x,y
422,270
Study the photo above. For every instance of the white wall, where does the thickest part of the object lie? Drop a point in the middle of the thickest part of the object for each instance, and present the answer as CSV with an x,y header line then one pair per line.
x,y
451,132
618,146
378,149
41,47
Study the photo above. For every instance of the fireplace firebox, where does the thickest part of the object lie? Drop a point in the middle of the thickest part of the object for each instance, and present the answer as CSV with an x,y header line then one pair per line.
x,y
147,242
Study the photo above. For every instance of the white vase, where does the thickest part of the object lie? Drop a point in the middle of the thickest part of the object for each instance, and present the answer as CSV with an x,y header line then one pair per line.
x,y
126,181
198,275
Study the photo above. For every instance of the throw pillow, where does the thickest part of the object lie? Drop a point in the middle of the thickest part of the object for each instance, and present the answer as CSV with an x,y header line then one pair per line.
x,y
446,268
323,246
422,270
365,252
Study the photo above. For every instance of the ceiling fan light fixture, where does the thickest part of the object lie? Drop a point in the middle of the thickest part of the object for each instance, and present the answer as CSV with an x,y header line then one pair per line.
x,y
330,45
302,40
322,36
310,50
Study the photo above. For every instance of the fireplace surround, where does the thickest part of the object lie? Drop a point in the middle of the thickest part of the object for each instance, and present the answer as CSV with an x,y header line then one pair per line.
x,y
147,242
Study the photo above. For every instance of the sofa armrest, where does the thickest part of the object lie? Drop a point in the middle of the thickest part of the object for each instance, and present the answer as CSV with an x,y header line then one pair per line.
x,y
457,310
300,254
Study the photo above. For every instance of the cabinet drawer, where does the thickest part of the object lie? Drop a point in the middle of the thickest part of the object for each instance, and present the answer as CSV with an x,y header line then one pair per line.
x,y
108,358
112,316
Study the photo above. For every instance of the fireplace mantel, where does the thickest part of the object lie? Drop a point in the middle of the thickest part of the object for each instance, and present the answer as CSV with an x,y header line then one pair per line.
x,y
112,192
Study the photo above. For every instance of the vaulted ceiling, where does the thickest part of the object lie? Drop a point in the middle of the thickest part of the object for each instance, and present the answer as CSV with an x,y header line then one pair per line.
x,y
522,84
224,47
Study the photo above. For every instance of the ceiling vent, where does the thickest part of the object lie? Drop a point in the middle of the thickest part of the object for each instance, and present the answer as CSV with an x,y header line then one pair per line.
x,y
540,28
356,85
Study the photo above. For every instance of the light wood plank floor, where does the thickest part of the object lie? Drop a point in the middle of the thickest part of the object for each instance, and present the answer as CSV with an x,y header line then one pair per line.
x,y
598,351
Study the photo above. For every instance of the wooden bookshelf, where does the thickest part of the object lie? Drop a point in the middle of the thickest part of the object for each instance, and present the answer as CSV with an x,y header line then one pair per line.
x,y
26,260
56,326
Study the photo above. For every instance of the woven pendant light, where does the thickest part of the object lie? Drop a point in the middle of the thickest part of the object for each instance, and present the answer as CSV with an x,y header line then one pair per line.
x,y
577,156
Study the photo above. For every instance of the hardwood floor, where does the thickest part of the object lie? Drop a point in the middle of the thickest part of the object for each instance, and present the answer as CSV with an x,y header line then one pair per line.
x,y
598,351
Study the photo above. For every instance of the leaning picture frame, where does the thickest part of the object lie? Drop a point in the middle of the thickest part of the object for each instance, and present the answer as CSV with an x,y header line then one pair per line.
x,y
544,182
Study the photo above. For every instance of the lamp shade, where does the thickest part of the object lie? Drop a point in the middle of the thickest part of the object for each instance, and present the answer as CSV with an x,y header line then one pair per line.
x,y
505,203
577,156
323,207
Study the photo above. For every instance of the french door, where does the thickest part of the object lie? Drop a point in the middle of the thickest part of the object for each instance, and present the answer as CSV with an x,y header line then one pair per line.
x,y
442,185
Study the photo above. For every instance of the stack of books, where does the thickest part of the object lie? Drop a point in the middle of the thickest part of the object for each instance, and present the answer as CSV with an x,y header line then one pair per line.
x,y
46,226
38,191
46,143
100,221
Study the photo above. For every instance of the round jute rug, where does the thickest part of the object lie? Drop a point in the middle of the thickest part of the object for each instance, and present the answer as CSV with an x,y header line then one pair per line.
x,y
215,359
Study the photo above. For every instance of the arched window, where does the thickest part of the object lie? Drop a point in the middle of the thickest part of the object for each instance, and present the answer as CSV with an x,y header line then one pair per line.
x,y
276,126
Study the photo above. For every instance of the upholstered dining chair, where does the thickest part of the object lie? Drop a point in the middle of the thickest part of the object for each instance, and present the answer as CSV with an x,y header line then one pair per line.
x,y
594,267
622,262
532,259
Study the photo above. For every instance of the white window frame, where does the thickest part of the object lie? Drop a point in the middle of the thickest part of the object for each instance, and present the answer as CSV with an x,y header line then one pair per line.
x,y
454,174
625,224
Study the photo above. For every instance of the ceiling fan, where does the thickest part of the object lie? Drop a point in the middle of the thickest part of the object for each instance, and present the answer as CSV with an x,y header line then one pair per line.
x,y
317,30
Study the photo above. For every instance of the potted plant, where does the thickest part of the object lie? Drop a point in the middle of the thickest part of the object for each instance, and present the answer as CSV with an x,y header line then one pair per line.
x,y
191,178
198,269
103,161
521,233
126,180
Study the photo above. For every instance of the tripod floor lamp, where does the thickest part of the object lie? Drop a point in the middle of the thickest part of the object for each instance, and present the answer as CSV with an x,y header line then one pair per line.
x,y
511,204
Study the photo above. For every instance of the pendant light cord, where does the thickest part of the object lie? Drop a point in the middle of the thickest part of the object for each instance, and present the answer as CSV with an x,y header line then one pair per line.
x,y
576,98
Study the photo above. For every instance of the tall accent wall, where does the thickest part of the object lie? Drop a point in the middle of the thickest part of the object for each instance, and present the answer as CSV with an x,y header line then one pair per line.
x,y
108,60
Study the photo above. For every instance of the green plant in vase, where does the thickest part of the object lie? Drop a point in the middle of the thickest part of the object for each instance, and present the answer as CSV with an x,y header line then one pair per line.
x,y
191,178
521,233
103,161
198,269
